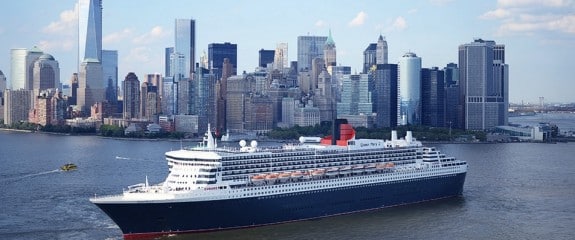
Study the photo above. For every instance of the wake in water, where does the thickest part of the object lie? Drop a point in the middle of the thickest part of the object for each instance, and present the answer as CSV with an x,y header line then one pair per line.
x,y
136,159
31,175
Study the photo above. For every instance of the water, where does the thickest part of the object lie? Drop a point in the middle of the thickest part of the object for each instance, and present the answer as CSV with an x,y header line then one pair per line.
x,y
512,191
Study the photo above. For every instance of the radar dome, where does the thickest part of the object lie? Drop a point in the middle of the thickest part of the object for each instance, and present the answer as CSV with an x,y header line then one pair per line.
x,y
254,143
242,143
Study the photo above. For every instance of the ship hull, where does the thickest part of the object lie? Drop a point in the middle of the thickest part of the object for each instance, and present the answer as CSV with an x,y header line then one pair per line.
x,y
142,220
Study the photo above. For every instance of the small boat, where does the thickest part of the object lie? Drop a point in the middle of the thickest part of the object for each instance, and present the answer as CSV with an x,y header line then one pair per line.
x,y
68,167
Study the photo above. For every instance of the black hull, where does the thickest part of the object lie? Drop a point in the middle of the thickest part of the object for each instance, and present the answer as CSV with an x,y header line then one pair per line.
x,y
152,219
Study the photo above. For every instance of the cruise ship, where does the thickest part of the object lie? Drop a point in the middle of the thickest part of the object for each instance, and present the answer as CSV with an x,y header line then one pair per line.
x,y
211,188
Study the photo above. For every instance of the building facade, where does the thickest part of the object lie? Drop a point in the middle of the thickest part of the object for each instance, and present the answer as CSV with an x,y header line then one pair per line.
x,y
217,52
17,105
131,96
46,74
90,87
386,105
265,57
110,74
22,67
308,48
381,50
90,30
432,97
185,45
410,89
483,84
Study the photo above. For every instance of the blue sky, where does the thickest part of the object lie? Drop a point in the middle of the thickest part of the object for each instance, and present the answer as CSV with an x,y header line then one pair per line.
x,y
539,35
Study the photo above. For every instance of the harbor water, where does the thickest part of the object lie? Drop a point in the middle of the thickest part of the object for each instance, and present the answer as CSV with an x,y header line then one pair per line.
x,y
512,191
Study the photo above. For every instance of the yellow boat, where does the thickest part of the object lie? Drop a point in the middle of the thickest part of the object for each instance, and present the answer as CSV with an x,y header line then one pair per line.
x,y
68,167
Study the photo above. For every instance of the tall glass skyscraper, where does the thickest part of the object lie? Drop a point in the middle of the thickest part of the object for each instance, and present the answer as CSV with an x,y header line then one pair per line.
x,y
308,48
432,97
22,66
385,95
110,74
90,30
185,32
484,84
409,89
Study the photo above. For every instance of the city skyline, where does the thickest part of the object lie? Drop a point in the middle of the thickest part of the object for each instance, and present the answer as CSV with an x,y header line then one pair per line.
x,y
539,37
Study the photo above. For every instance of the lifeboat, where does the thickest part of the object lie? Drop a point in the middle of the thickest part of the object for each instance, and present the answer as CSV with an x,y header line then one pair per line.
x,y
345,170
389,165
258,179
357,169
284,177
331,171
380,167
317,173
370,167
306,175
271,178
297,175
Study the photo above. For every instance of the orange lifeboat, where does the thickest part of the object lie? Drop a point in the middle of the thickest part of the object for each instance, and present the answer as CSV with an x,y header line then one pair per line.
x,y
317,173
297,175
271,178
258,179
284,177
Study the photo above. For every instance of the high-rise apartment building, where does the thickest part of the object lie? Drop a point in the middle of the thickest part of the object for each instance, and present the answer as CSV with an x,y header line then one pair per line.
x,y
90,30
432,97
185,33
206,99
216,54
17,104
266,57
131,96
452,106
381,50
308,48
386,104
483,84
22,67
409,89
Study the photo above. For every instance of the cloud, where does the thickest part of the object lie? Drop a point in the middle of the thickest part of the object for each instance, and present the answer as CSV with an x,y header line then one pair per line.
x,y
530,3
154,34
117,36
139,54
358,20
66,24
533,16
399,23
57,44
496,14
320,23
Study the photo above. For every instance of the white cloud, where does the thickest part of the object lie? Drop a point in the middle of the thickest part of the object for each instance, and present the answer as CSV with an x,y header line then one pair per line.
x,y
496,14
532,16
399,23
66,24
531,3
57,44
117,36
320,24
358,20
154,34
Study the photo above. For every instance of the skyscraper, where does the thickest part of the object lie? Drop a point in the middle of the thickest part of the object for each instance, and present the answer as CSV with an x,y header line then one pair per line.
x,y
386,95
17,104
410,89
185,32
90,30
91,89
308,48
483,83
329,53
281,60
355,96
110,74
206,99
452,106
22,67
167,61
216,54
369,57
432,97
46,74
131,96
381,50
265,57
